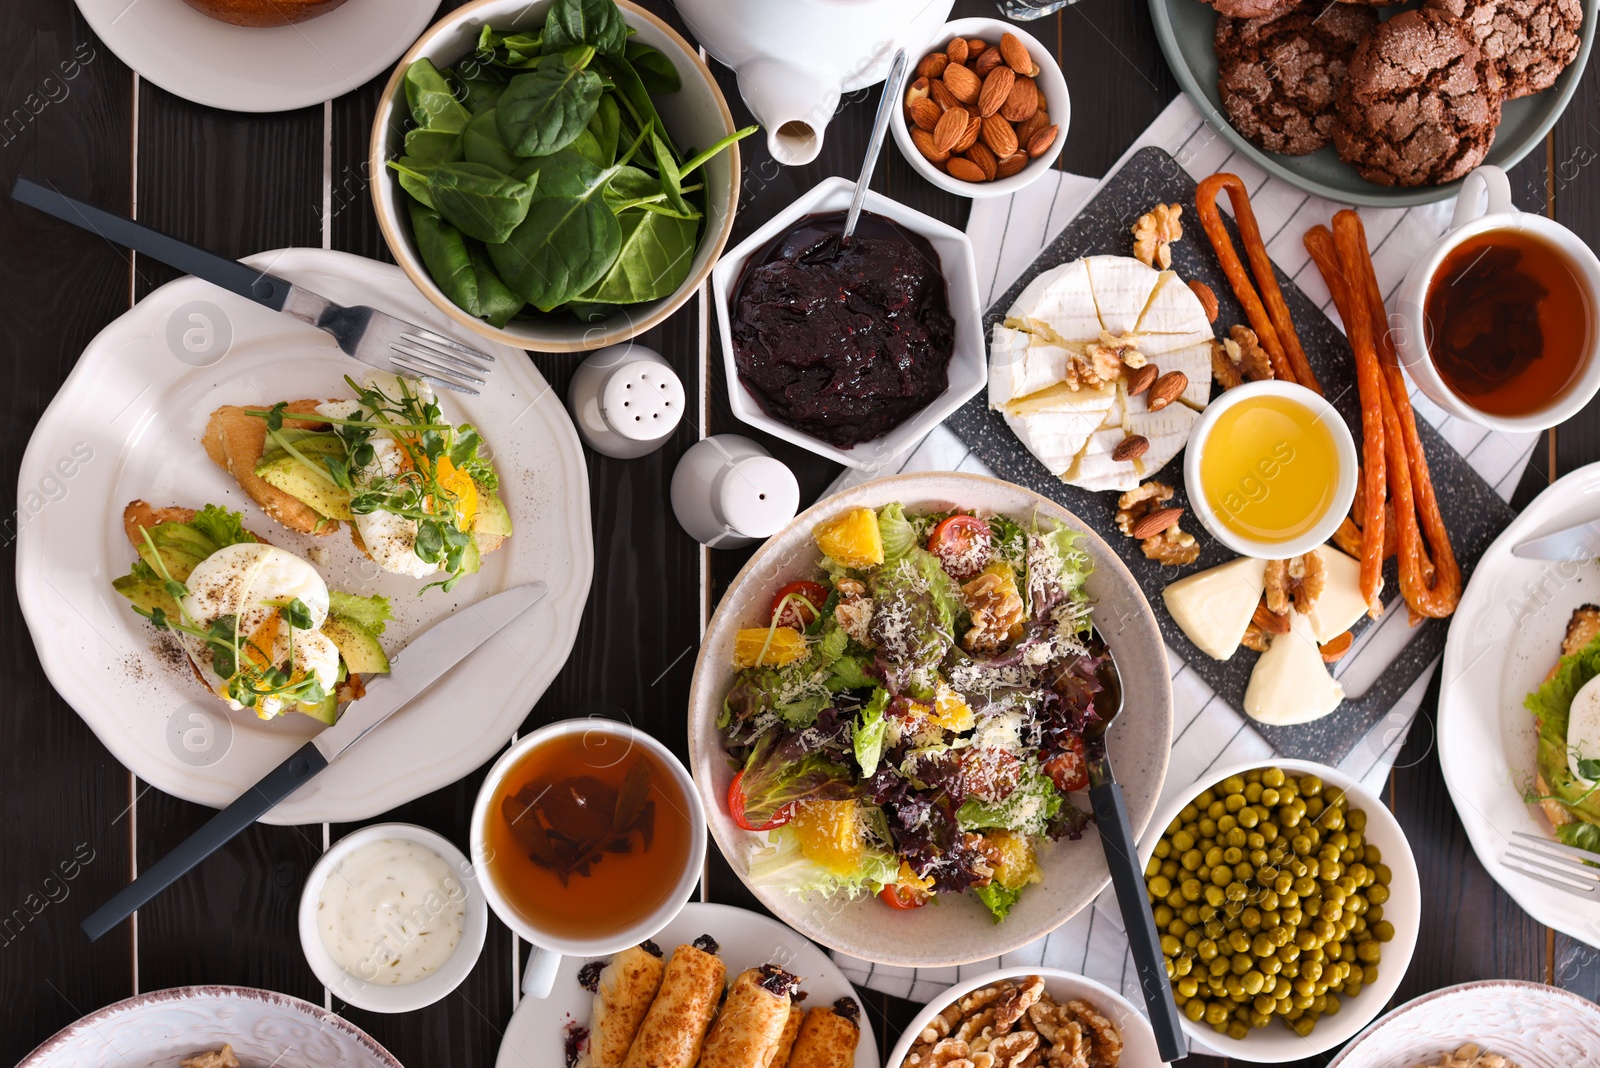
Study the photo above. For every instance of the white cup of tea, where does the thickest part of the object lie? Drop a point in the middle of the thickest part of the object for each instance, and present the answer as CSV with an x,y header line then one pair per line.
x,y
558,841
1475,333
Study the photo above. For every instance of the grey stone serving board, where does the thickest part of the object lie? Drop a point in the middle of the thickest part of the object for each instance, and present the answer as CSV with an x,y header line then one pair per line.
x,y
1473,512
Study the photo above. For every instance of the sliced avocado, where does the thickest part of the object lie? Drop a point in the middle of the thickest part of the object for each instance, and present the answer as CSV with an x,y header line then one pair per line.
x,y
492,516
358,646
471,559
324,711
181,547
312,489
310,444
146,593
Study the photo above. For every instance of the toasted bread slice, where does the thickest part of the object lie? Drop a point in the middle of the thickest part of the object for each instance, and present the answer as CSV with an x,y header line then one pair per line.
x,y
235,442
1581,629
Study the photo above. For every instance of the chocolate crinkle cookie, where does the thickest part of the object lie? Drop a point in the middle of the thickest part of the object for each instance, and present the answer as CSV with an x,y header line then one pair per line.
x,y
1529,41
1419,104
1250,9
1278,75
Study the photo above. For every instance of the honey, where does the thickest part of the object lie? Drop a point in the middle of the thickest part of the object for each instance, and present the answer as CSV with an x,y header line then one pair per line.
x,y
1269,469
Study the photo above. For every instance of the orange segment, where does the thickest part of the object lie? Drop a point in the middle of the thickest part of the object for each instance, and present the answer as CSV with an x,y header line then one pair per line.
x,y
831,834
852,539
751,647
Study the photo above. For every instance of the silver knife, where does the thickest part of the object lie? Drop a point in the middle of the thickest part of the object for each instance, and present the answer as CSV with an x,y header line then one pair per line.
x,y
416,667
1581,542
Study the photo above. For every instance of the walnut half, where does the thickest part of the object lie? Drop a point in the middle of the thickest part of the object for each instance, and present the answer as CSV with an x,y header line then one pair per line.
x,y
1173,547
996,609
1154,233
1139,502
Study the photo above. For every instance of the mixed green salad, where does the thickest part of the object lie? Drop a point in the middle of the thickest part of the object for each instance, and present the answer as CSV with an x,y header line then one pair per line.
x,y
909,723
539,175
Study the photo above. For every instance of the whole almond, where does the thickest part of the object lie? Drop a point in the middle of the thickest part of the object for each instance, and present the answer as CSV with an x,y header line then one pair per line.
x,y
1130,448
1022,103
1167,389
1040,142
970,138
1208,299
1270,621
1142,379
1032,125
999,135
965,169
962,83
1012,164
957,50
1334,648
941,95
932,65
1155,523
924,142
996,90
1043,103
979,153
985,61
1015,53
951,128
925,113
976,46
919,91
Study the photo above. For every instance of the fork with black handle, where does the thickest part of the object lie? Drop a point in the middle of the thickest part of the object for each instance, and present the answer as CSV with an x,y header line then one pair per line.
x,y
366,334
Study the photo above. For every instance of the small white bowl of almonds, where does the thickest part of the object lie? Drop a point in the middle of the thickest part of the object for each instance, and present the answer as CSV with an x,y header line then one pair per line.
x,y
985,109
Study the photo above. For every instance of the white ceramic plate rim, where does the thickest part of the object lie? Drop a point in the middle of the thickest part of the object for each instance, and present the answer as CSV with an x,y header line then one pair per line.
x,y
68,552
1472,695
1275,1043
251,68
533,1038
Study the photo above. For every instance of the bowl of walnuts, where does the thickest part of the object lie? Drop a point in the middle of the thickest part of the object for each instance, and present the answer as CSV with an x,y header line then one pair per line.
x,y
985,109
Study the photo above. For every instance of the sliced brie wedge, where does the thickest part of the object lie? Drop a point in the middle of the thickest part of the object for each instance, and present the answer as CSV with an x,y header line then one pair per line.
x,y
1122,287
1290,683
1020,364
1173,319
1339,606
1213,608
1059,304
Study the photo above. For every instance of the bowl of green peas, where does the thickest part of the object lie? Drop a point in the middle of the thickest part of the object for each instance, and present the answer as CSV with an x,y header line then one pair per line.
x,y
1288,904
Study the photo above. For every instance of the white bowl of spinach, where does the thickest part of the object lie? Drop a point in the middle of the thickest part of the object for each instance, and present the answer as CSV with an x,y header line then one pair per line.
x,y
556,175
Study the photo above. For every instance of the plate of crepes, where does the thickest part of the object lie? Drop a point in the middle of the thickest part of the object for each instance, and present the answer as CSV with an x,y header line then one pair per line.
x,y
1519,711
228,527
718,987
887,716
1378,102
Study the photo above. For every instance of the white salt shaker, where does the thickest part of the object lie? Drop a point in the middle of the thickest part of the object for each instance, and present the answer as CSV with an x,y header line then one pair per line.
x,y
728,492
626,400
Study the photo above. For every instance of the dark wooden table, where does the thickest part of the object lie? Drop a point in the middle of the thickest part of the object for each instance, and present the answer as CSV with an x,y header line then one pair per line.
x,y
240,184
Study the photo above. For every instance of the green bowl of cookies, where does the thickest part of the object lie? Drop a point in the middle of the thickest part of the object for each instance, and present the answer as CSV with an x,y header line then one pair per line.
x,y
1370,103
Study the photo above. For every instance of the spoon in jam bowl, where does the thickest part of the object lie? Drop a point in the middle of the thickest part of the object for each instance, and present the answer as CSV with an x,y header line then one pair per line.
x,y
1122,856
880,125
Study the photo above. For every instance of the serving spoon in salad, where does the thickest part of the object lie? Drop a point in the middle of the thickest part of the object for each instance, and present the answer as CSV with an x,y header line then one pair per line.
x,y
1122,856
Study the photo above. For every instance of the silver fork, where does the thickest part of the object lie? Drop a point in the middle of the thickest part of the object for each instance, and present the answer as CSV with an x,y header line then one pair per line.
x,y
1555,864
366,334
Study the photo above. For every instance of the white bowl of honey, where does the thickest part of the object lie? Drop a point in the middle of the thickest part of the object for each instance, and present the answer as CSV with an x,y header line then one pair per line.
x,y
1271,469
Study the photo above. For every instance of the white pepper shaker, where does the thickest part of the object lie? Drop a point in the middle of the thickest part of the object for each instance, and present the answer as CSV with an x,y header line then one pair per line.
x,y
728,492
626,400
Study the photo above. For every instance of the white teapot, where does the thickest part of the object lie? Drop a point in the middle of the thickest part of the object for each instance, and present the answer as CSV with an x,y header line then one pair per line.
x,y
795,58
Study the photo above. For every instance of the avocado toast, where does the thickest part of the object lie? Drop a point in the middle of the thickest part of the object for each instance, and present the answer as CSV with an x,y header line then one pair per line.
x,y
1569,800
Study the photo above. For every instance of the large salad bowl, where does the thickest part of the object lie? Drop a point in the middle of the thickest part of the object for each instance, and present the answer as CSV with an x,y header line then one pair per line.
x,y
958,930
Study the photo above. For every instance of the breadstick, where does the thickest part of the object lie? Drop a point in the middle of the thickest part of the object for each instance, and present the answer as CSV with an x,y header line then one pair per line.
x,y
1330,254
1268,313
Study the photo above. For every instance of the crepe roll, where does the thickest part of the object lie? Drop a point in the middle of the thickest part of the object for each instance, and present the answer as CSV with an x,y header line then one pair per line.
x,y
828,1037
791,1028
623,992
675,1027
750,1025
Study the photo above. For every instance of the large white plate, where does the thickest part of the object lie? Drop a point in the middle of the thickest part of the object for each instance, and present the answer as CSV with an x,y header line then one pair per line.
x,y
1505,637
252,68
127,424
535,1036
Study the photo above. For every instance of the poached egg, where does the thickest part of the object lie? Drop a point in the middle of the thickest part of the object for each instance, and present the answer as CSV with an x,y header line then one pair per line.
x,y
1583,728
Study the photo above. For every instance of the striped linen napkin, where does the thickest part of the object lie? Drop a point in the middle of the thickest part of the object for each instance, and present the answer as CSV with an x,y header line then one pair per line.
x,y
1206,731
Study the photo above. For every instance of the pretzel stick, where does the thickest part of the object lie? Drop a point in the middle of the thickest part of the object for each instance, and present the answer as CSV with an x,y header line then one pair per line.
x,y
1326,250
1437,579
1205,197
1270,299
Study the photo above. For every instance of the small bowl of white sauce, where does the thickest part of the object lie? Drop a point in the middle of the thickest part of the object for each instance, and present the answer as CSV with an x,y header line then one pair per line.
x,y
392,918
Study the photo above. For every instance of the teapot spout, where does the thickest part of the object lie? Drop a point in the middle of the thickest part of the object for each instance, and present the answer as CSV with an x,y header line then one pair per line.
x,y
794,105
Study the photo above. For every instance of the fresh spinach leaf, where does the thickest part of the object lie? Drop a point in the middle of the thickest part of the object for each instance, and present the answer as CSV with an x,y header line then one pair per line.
x,y
433,105
481,93
569,238
444,253
655,70
509,50
433,146
700,159
633,96
633,187
588,146
480,143
496,302
588,312
409,172
667,169
544,110
654,259
594,22
479,200
607,127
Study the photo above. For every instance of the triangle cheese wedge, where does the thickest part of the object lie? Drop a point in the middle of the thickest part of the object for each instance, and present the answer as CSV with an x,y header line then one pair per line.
x,y
1173,319
1339,605
1059,304
1122,287
1213,608
1290,683
1020,364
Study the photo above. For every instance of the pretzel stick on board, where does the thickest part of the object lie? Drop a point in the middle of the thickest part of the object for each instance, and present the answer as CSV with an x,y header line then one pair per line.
x,y
1352,304
1268,306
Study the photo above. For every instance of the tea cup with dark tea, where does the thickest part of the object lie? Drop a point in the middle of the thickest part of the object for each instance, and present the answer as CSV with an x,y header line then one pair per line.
x,y
1496,322
588,837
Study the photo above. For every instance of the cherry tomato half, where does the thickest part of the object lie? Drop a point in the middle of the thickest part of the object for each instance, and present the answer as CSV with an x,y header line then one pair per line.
x,y
963,544
799,613
1069,770
736,809
903,898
